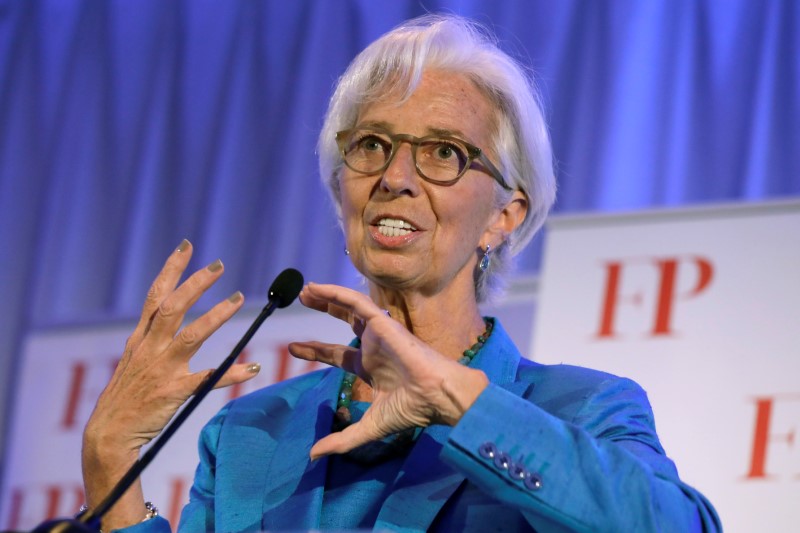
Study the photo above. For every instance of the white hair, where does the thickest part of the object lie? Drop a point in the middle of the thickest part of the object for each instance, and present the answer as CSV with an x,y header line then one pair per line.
x,y
395,64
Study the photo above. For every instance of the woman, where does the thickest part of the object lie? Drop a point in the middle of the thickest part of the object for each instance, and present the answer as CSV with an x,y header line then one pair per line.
x,y
438,160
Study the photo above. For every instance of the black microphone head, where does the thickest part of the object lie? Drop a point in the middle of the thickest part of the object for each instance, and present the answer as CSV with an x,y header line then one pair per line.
x,y
286,287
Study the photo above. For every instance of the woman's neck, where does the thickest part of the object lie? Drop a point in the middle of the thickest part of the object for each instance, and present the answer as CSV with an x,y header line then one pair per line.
x,y
449,321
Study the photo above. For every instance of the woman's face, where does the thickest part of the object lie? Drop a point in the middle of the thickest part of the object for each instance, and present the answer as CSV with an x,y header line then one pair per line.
x,y
442,227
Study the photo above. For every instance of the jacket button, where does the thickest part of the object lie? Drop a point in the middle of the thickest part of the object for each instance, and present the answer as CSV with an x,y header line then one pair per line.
x,y
487,450
533,481
517,472
502,461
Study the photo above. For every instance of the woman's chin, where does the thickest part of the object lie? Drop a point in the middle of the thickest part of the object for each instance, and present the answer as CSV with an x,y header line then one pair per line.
x,y
393,273
391,279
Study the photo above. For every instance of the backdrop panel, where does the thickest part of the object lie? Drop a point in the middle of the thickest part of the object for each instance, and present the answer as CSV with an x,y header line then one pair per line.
x,y
700,306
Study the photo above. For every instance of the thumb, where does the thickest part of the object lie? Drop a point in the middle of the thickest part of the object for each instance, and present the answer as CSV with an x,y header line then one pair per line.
x,y
343,441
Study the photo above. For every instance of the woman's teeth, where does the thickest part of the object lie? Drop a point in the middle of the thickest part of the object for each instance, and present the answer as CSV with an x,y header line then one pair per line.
x,y
392,227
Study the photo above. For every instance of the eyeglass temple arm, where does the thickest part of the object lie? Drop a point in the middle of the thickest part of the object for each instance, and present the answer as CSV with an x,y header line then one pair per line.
x,y
494,171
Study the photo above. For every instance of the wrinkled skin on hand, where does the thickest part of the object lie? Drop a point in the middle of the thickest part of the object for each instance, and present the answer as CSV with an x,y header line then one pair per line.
x,y
153,380
412,384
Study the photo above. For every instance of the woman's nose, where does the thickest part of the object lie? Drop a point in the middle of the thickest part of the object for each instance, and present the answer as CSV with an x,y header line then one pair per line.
x,y
400,177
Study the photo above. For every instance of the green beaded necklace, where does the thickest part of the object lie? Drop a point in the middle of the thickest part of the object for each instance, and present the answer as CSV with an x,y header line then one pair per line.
x,y
342,418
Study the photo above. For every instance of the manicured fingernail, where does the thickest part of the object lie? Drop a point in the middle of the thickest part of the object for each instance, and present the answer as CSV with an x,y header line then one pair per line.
x,y
215,266
235,298
183,246
254,368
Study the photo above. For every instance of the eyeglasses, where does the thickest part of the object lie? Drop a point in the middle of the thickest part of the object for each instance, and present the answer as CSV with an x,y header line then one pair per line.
x,y
440,159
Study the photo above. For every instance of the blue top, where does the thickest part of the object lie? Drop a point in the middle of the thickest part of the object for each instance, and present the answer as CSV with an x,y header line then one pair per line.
x,y
355,486
549,448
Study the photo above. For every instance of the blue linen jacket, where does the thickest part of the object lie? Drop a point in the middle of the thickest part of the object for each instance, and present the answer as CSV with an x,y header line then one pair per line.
x,y
544,448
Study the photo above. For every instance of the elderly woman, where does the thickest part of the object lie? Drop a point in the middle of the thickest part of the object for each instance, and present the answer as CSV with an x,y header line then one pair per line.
x,y
437,157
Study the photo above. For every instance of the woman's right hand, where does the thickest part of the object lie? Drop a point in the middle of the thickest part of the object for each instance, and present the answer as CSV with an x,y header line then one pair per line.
x,y
152,380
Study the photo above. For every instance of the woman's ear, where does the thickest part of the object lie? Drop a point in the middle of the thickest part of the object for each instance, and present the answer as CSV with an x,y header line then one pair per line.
x,y
507,220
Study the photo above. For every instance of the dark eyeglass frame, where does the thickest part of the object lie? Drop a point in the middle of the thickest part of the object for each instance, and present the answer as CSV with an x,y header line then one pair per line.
x,y
473,153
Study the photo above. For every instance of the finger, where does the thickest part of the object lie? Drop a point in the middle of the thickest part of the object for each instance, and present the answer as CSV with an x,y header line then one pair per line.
x,y
188,340
311,301
162,286
170,313
336,311
322,304
356,305
345,357
237,373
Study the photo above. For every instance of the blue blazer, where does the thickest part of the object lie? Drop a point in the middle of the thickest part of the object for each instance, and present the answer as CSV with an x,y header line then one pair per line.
x,y
544,448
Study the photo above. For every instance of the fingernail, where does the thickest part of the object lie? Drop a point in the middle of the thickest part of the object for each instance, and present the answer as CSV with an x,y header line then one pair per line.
x,y
254,368
235,298
183,246
215,266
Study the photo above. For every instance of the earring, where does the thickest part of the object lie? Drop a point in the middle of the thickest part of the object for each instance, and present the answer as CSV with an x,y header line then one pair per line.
x,y
346,251
485,260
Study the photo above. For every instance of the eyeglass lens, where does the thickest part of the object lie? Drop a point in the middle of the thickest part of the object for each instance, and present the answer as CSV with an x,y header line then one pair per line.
x,y
437,159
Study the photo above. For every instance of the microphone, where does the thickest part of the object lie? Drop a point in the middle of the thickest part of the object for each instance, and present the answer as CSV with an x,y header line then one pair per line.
x,y
285,288
282,293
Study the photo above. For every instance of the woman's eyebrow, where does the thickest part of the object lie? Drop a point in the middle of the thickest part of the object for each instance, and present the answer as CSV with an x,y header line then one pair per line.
x,y
446,132
442,132
377,124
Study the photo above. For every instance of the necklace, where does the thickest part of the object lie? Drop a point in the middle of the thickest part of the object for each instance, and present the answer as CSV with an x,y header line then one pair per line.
x,y
343,417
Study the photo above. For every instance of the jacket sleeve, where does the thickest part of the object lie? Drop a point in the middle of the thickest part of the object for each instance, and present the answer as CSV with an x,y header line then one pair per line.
x,y
601,470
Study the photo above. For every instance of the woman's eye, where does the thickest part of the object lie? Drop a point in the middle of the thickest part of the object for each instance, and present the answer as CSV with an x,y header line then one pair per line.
x,y
371,144
448,151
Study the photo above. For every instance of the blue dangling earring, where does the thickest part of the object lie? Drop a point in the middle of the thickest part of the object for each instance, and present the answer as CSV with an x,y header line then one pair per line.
x,y
346,251
485,260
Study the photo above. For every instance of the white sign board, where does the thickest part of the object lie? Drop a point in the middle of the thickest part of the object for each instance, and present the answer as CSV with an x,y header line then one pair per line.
x,y
702,308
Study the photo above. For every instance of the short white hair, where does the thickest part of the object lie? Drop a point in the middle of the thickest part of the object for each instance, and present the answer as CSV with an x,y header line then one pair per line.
x,y
395,63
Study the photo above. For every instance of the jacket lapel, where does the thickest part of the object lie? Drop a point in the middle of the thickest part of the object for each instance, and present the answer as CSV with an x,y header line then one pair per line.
x,y
293,499
426,483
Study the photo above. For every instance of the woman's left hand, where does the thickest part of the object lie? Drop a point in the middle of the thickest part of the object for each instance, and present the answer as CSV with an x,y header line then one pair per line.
x,y
413,385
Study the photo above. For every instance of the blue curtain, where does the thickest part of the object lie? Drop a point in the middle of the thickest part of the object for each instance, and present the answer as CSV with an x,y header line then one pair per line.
x,y
128,125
